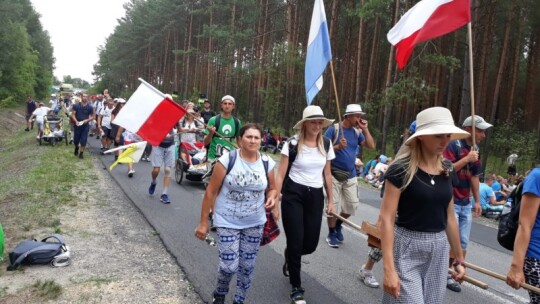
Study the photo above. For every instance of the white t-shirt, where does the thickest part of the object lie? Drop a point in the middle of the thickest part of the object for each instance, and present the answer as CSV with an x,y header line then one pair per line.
x,y
307,168
240,202
40,113
53,103
188,137
106,117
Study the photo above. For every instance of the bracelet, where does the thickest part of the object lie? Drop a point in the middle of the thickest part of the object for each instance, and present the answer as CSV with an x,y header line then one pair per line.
x,y
458,262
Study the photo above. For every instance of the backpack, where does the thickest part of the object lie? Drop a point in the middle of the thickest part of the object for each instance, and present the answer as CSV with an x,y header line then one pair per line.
x,y
271,228
30,252
509,221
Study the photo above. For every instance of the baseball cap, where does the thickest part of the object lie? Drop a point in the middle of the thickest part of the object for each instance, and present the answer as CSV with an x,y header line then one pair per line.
x,y
479,122
228,97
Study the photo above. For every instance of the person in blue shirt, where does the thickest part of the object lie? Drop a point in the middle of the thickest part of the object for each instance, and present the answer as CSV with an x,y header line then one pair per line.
x,y
346,137
487,197
525,265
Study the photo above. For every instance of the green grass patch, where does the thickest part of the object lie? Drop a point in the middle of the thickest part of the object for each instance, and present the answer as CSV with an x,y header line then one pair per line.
x,y
48,289
38,182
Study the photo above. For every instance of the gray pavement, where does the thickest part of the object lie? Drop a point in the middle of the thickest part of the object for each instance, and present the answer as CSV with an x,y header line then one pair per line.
x,y
329,275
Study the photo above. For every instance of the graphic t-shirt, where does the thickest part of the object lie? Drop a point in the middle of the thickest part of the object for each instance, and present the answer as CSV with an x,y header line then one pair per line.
x,y
240,202
106,117
227,130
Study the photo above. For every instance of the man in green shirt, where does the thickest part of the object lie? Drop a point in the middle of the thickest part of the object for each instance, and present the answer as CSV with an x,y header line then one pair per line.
x,y
224,124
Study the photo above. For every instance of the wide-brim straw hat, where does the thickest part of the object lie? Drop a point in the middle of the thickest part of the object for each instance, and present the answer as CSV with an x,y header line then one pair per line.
x,y
437,120
313,113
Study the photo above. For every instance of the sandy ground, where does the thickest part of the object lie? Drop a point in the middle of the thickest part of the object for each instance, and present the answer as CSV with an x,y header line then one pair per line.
x,y
116,255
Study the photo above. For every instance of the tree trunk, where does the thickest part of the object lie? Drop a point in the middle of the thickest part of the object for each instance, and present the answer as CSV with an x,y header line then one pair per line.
x,y
358,97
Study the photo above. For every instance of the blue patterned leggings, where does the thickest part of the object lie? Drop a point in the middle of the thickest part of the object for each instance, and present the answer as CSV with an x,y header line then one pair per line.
x,y
238,250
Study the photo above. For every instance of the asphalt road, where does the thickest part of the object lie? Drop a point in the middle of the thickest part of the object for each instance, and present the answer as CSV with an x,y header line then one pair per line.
x,y
329,275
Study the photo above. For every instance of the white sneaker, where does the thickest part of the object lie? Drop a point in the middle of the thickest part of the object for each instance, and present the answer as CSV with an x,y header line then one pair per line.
x,y
130,173
368,278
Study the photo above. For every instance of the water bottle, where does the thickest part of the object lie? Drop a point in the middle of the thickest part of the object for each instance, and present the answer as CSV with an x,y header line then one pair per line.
x,y
508,206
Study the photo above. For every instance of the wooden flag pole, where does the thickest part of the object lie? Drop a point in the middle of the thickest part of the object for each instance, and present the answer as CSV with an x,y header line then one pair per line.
x,y
471,82
373,232
335,89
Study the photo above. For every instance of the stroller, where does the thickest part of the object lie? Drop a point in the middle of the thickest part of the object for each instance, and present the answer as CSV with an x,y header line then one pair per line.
x,y
53,130
190,162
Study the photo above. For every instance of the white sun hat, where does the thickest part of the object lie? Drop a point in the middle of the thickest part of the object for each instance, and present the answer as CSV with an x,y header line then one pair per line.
x,y
313,113
436,120
353,109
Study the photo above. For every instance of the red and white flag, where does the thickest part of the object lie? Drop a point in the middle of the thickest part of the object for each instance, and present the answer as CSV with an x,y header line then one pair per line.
x,y
428,19
149,114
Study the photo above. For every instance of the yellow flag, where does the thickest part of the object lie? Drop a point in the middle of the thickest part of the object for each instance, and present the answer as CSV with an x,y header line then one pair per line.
x,y
131,155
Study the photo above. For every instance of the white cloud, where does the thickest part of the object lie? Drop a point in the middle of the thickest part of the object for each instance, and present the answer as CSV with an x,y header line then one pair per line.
x,y
77,28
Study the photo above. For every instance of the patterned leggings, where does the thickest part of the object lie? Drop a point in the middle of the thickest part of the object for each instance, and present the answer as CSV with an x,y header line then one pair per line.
x,y
238,250
531,269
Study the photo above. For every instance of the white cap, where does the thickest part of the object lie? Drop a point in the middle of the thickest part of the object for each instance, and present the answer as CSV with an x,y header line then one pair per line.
x,y
228,97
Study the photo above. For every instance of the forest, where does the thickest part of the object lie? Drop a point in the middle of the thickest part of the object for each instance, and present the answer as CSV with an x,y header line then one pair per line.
x,y
255,51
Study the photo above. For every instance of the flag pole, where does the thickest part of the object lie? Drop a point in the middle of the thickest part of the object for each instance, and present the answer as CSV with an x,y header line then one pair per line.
x,y
471,82
335,89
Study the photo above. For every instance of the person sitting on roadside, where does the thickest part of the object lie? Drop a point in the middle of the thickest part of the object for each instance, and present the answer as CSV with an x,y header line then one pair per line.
x,y
497,187
370,165
379,169
39,114
487,197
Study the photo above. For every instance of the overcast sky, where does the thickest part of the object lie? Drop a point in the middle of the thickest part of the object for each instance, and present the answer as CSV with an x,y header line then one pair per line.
x,y
77,28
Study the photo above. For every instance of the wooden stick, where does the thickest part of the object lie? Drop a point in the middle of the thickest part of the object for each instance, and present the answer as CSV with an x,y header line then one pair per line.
x,y
470,280
335,89
500,276
372,231
471,82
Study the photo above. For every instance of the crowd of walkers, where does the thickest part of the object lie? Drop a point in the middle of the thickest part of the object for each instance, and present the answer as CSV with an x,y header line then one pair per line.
x,y
430,192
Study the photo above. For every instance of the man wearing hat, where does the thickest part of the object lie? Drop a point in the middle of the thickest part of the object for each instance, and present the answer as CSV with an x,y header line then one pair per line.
x,y
346,137
224,124
468,169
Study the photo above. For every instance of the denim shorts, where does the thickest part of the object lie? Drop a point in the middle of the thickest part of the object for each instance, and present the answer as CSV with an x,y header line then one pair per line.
x,y
464,219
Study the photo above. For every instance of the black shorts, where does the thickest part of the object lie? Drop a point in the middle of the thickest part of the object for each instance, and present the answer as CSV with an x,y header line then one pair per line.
x,y
107,133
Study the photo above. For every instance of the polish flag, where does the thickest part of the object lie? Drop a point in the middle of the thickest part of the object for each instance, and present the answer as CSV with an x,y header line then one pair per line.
x,y
149,114
428,19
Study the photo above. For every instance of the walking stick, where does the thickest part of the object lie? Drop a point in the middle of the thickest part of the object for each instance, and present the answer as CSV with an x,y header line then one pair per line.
x,y
500,276
374,240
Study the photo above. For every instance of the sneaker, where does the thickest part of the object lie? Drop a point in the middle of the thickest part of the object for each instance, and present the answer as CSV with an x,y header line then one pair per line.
x,y
81,155
218,299
130,173
27,129
368,278
98,137
76,151
452,284
71,141
331,240
152,188
339,234
37,137
297,296
165,199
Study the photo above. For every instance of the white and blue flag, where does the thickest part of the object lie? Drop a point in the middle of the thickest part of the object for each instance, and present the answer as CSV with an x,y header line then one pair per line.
x,y
319,51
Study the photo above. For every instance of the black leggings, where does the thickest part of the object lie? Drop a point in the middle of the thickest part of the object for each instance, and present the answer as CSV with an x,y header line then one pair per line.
x,y
301,209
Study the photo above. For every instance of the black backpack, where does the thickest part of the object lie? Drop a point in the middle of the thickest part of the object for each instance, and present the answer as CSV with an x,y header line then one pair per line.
x,y
35,252
509,222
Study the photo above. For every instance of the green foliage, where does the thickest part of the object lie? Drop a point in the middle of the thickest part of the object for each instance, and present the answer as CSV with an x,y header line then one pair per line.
x,y
411,88
449,62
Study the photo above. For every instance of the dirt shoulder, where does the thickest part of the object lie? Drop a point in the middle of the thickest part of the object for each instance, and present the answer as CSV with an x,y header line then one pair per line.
x,y
116,255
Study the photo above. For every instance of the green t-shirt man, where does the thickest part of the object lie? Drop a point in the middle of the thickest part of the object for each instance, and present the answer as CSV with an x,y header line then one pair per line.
x,y
227,129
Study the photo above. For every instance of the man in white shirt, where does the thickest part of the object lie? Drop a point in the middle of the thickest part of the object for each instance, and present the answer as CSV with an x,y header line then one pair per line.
x,y
39,114
104,124
54,103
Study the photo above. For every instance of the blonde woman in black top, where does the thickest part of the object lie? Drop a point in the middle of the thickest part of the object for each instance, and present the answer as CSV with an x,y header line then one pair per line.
x,y
417,214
